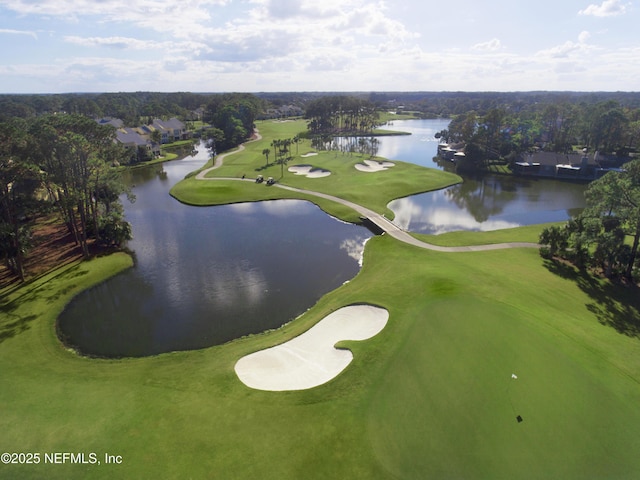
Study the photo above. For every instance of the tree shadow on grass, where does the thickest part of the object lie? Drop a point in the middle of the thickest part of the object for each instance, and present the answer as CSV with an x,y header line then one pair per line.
x,y
14,326
614,305
13,323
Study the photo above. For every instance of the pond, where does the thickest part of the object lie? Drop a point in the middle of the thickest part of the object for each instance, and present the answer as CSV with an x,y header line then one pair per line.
x,y
207,275
488,202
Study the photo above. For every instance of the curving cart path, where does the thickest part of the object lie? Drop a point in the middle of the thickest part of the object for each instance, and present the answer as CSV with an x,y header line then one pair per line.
x,y
387,225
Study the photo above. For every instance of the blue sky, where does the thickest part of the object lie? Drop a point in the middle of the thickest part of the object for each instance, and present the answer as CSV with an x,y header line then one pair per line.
x,y
54,46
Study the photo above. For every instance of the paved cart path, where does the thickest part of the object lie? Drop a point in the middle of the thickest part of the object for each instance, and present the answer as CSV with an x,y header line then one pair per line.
x,y
380,220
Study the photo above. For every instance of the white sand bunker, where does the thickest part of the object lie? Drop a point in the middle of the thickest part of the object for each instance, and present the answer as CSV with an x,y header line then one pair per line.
x,y
311,359
309,171
373,166
310,154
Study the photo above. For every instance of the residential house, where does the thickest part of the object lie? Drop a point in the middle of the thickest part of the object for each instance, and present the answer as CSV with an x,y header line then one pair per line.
x,y
134,138
171,130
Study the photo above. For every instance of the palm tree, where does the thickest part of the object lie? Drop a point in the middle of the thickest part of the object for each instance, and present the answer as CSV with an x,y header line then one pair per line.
x,y
266,153
276,147
375,145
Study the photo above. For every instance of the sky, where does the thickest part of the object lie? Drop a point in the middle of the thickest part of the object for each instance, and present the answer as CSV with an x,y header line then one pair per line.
x,y
60,46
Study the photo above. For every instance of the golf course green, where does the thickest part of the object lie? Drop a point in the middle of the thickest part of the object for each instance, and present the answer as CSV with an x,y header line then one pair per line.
x,y
493,365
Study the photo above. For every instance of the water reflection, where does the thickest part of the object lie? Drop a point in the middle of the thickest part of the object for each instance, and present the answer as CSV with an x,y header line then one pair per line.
x,y
420,147
207,275
490,202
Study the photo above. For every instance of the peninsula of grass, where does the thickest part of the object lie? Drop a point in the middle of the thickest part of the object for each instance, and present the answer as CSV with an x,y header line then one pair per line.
x,y
373,190
431,396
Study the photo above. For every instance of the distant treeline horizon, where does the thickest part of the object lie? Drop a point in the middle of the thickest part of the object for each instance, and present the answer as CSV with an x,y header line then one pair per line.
x,y
131,106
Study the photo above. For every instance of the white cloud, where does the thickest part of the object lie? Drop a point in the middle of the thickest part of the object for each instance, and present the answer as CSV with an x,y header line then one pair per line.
x,y
275,45
116,42
325,36
584,36
608,8
567,49
329,62
284,8
18,32
309,9
490,46
185,17
561,51
113,10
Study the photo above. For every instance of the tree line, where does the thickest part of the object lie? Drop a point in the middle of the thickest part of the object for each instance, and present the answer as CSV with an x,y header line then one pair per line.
x,y
606,235
231,119
342,115
502,134
61,162
429,104
127,106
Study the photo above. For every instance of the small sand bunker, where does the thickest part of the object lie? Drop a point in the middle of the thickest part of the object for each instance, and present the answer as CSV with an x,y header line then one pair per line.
x,y
309,171
311,359
373,166
310,154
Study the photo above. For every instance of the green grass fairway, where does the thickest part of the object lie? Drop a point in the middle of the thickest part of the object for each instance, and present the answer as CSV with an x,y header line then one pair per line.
x,y
374,190
431,396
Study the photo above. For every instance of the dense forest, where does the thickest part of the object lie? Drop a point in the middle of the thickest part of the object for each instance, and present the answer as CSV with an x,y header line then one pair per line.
x,y
130,106
230,119
60,163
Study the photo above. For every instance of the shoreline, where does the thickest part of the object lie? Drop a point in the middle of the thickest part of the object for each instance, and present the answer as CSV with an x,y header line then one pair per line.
x,y
387,225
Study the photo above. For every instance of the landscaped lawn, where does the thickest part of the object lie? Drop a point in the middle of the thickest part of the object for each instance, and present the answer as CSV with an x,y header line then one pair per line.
x,y
431,396
374,190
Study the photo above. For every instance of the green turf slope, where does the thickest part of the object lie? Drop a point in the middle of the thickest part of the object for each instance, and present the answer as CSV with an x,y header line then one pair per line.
x,y
447,405
431,396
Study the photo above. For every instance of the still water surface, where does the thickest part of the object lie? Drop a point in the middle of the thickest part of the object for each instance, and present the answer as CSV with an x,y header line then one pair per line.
x,y
490,202
207,275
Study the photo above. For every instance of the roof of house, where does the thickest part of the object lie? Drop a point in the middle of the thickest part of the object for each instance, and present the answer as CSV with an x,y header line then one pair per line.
x,y
171,124
130,136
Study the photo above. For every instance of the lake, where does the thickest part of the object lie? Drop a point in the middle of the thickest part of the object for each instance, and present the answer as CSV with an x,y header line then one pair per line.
x,y
207,275
488,202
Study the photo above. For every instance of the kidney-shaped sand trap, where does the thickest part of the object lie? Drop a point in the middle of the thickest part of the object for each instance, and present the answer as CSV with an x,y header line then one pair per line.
x,y
311,359
309,171
373,166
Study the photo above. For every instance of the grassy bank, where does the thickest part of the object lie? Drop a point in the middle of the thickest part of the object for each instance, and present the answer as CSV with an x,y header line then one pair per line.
x,y
430,397
530,234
